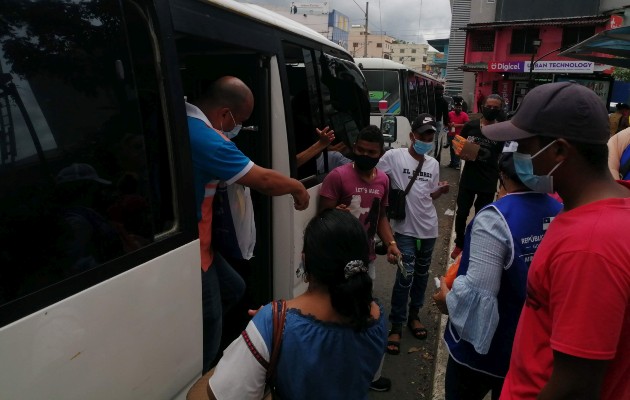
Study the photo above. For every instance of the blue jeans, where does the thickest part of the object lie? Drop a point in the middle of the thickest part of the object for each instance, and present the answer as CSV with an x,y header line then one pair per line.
x,y
221,289
416,256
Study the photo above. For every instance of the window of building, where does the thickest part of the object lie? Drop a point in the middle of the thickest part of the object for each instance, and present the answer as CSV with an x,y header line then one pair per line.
x,y
379,44
402,51
355,44
413,59
522,41
575,34
401,58
413,51
482,40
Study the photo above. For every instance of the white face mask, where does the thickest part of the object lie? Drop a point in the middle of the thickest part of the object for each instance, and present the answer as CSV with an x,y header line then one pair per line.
x,y
525,171
237,127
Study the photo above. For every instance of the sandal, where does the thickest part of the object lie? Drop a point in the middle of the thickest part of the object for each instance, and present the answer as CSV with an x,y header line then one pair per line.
x,y
420,332
396,330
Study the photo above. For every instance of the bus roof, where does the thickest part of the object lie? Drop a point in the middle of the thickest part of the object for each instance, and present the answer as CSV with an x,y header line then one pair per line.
x,y
382,63
268,17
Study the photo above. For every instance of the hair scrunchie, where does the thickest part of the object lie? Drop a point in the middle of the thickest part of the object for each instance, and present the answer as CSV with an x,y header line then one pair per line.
x,y
354,267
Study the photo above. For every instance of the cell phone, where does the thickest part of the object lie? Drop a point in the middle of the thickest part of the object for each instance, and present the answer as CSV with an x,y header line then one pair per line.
x,y
401,267
437,282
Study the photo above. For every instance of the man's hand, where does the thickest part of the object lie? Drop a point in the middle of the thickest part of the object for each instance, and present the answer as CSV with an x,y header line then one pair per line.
x,y
300,198
393,253
342,207
326,136
443,187
440,297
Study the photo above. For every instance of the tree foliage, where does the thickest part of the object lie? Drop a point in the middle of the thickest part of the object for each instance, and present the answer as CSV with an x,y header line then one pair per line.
x,y
621,74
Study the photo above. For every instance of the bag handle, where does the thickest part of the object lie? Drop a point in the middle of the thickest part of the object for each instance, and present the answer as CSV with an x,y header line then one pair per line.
x,y
279,317
415,175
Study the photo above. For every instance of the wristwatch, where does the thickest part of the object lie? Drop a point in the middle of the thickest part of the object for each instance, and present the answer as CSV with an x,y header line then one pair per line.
x,y
390,243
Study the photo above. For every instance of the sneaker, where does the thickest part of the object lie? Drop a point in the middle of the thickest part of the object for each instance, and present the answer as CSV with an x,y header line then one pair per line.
x,y
382,384
456,251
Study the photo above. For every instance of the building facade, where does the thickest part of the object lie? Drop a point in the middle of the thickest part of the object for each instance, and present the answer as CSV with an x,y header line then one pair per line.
x,y
379,45
437,60
413,55
512,46
330,23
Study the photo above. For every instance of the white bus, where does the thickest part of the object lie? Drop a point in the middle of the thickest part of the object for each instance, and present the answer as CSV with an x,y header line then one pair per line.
x,y
406,92
100,289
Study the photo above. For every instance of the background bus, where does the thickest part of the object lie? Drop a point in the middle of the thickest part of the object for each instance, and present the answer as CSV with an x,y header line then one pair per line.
x,y
407,92
100,293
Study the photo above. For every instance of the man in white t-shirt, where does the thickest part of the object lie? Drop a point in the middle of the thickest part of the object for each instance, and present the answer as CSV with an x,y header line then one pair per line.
x,y
416,234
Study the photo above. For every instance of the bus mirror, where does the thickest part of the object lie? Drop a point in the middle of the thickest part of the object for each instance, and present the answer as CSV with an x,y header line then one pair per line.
x,y
388,127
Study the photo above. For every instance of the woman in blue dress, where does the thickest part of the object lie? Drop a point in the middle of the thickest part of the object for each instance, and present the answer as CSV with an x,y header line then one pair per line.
x,y
334,335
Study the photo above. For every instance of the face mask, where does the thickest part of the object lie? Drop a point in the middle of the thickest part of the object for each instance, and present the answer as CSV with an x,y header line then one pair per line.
x,y
525,171
365,163
232,134
490,114
421,147
237,127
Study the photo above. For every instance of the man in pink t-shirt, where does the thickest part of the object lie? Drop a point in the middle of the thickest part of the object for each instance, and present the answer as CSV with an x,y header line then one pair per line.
x,y
458,119
572,336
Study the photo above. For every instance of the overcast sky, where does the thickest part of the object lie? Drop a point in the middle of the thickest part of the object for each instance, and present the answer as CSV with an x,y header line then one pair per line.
x,y
411,20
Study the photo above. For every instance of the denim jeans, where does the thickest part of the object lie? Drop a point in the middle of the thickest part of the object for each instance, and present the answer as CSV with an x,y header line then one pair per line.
x,y
454,159
416,256
221,288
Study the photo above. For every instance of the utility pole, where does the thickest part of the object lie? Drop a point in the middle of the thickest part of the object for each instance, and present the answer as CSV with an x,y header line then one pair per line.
x,y
365,34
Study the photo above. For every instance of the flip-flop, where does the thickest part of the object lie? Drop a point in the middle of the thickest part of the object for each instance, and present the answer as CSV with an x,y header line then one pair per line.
x,y
418,333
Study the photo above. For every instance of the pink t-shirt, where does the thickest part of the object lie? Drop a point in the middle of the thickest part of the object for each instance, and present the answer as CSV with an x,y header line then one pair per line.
x,y
578,295
462,118
364,200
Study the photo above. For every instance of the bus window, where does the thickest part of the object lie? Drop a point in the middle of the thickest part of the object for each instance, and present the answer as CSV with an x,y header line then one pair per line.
x,y
384,85
84,172
348,108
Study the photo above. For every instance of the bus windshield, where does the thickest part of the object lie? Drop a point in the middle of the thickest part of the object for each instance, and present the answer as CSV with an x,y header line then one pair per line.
x,y
383,85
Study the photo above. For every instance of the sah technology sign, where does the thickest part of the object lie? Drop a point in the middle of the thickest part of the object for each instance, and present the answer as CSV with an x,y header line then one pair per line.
x,y
564,67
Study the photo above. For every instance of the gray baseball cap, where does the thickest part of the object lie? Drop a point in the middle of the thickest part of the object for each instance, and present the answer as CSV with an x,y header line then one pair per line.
x,y
80,172
564,110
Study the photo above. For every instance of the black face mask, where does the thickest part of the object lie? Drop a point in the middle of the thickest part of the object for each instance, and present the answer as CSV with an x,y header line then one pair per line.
x,y
490,114
365,163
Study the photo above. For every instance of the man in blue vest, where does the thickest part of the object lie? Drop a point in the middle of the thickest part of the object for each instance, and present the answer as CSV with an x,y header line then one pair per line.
x,y
485,302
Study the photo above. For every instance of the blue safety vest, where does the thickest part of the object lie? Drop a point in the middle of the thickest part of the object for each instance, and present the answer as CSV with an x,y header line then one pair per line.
x,y
527,216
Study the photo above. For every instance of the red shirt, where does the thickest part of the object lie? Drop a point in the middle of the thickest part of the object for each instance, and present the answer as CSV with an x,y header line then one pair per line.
x,y
578,295
462,118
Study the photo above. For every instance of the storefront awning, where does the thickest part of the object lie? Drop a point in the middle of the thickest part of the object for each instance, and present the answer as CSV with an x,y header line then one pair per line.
x,y
611,47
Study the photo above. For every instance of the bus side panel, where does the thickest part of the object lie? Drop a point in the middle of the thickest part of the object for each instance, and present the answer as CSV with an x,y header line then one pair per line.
x,y
156,337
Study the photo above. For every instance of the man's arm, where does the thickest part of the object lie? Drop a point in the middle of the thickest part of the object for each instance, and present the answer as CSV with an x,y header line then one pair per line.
x,y
384,231
574,378
325,203
273,183
326,136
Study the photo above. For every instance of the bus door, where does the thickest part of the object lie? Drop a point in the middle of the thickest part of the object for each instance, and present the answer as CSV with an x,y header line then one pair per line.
x,y
324,90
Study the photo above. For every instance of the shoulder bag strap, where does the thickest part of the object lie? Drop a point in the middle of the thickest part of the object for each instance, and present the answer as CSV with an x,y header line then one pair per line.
x,y
415,175
625,168
279,316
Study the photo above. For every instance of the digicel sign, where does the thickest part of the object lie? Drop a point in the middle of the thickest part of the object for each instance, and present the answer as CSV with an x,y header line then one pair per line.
x,y
506,66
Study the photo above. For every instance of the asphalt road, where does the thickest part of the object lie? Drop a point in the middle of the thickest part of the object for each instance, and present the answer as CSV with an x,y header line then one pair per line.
x,y
412,371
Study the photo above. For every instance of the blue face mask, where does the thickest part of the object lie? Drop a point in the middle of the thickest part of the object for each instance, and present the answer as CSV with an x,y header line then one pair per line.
x,y
237,127
525,171
421,147
232,134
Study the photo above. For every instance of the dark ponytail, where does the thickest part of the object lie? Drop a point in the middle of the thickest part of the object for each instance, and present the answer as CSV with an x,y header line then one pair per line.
x,y
333,240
